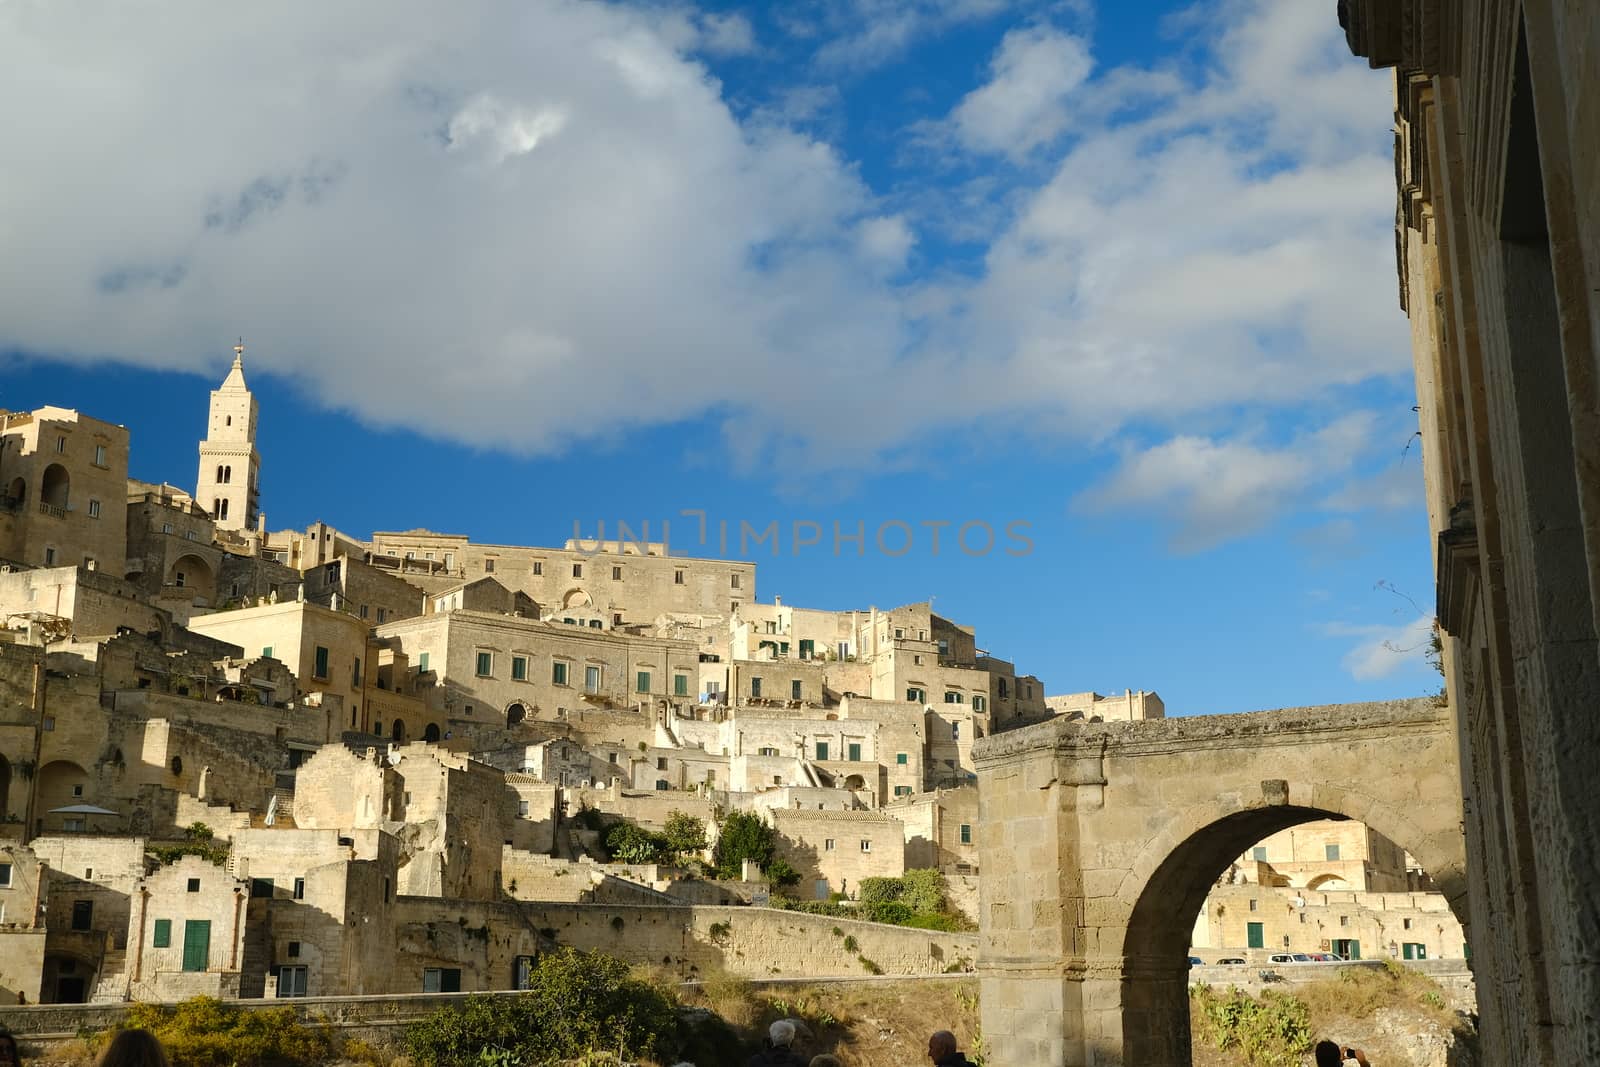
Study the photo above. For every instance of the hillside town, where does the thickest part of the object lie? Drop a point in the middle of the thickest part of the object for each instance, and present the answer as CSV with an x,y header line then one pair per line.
x,y
250,763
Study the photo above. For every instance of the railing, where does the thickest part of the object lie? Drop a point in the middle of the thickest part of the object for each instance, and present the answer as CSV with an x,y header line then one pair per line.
x,y
51,509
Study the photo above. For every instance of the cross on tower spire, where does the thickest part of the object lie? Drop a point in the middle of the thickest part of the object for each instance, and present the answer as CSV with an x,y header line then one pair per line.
x,y
238,353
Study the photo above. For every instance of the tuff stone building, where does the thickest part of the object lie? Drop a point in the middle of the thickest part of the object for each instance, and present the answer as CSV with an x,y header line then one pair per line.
x,y
1497,164
63,490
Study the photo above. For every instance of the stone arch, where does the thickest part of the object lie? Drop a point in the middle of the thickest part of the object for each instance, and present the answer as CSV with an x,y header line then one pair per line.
x,y
1169,881
1326,882
577,598
397,732
66,978
55,487
17,491
515,714
57,780
194,576
855,782
430,733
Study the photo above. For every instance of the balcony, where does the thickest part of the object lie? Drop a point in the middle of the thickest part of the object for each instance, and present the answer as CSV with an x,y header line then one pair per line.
x,y
51,509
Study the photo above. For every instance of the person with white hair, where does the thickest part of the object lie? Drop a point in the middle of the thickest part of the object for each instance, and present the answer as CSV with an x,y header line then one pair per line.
x,y
780,1048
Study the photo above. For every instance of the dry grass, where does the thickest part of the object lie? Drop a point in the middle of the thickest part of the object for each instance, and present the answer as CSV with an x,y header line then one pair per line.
x,y
877,1024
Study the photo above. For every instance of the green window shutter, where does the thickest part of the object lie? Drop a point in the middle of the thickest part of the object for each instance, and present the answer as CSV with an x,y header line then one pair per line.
x,y
558,673
794,689
643,682
900,759
196,944
163,937
966,833
855,753
422,661
267,652
485,664
822,750
519,668
680,685
1255,935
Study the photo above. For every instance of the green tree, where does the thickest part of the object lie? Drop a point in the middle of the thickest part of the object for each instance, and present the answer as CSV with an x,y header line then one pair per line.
x,y
782,874
743,837
685,834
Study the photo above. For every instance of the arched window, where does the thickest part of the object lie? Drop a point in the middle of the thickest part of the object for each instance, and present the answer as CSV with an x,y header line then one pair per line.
x,y
515,714
377,727
222,509
54,486
431,732
398,733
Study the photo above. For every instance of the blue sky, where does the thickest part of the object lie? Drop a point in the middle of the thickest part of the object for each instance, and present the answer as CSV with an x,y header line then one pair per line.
x,y
1122,273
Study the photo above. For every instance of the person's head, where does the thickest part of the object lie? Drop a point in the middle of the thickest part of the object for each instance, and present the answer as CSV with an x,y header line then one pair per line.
x,y
941,1044
9,1056
781,1033
1329,1054
134,1048
825,1060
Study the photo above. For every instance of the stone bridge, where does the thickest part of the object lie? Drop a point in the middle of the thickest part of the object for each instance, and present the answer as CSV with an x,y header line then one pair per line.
x,y
1098,843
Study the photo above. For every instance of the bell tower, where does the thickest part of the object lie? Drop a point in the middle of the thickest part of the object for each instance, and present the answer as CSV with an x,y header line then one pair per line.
x,y
227,485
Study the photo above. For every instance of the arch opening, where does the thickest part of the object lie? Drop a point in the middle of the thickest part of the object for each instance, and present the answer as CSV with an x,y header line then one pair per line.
x,y
194,577
397,733
430,732
55,487
16,492
1232,884
515,714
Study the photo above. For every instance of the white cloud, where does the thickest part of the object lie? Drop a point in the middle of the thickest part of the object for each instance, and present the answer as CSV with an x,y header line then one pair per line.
x,y
726,34
1383,651
1024,103
478,227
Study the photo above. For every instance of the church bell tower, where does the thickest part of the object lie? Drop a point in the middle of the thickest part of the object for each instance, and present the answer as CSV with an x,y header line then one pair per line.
x,y
227,485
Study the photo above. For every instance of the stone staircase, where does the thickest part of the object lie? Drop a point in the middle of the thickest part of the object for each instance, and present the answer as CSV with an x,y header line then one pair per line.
x,y
111,981
257,957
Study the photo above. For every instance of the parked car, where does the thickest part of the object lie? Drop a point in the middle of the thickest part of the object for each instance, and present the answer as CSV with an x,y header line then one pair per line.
x,y
1281,957
1230,961
1196,961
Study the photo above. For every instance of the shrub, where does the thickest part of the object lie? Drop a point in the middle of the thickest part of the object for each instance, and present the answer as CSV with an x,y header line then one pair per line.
x,y
923,891
850,943
1274,1031
631,843
205,1032
781,873
881,890
577,1002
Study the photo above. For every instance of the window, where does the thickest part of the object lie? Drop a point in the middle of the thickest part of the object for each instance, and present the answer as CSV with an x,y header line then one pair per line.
x,y
319,667
966,833
99,455
1344,920
955,731
854,752
952,697
485,664
1260,853
519,668
794,689
49,726
363,611
193,886
422,661
261,887
538,568
827,844
166,527
83,914
355,673
642,682
1254,905
736,581
1255,935
94,508
866,846
822,750
383,615
898,634
616,618
77,790
755,686
1003,689
50,561
916,661
902,790
292,979
441,980
944,647
611,758
299,894
488,566
1405,924
61,444
163,934
766,750
558,673
900,759
677,577
591,679
577,570
979,703
661,763
1331,851
616,574
522,808
916,696
594,624
680,685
